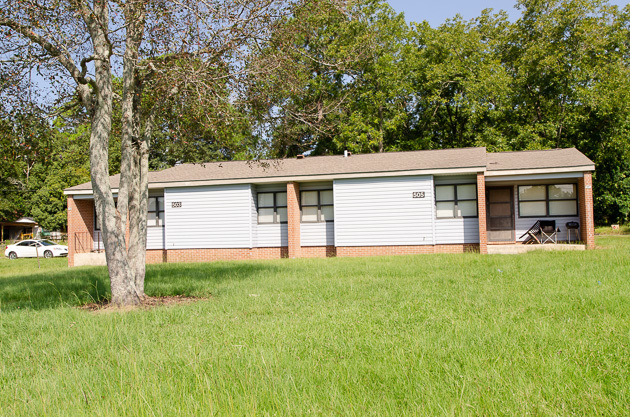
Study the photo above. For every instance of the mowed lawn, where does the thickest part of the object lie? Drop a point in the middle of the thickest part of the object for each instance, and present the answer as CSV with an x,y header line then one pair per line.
x,y
536,334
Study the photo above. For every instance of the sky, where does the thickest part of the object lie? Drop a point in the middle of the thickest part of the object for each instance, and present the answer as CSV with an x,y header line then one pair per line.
x,y
437,11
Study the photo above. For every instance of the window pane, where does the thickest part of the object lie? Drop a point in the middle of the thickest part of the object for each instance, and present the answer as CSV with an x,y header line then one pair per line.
x,y
562,191
563,208
532,192
328,213
445,209
536,208
160,203
309,214
467,192
500,209
152,219
309,198
265,199
444,192
265,215
500,195
282,214
467,208
326,197
281,199
151,204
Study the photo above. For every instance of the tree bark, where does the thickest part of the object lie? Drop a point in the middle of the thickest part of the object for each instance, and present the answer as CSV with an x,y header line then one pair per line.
x,y
121,278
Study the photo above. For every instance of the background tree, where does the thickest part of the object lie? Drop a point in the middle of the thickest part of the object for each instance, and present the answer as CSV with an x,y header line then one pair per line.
x,y
170,48
461,87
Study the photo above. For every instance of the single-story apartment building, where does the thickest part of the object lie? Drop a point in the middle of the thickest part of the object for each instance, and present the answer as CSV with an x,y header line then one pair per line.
x,y
434,201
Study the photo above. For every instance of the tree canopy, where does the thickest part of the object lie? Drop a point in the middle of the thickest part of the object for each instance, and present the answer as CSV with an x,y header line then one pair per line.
x,y
328,76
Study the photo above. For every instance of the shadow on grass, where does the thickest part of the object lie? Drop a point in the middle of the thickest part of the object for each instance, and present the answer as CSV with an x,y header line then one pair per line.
x,y
77,286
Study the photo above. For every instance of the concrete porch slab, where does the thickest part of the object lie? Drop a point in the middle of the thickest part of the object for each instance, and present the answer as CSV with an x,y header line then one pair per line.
x,y
90,259
520,248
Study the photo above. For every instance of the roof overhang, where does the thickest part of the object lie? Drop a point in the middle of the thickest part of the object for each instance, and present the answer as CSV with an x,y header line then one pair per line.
x,y
298,178
18,224
535,171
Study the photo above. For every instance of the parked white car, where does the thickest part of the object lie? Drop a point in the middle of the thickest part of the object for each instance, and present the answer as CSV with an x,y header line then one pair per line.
x,y
34,248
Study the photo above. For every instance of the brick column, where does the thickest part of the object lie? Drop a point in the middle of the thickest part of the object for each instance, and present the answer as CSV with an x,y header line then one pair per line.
x,y
587,224
293,211
80,227
481,212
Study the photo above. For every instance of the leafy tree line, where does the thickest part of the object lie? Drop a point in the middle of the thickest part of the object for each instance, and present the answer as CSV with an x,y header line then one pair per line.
x,y
365,80
359,77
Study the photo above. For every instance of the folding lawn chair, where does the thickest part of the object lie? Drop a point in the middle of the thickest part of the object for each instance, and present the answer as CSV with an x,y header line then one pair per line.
x,y
548,231
532,234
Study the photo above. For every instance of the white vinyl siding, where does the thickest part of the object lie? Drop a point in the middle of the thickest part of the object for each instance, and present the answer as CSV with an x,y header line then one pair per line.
x,y
455,231
253,229
97,238
381,211
522,224
272,235
155,238
209,217
317,234
269,235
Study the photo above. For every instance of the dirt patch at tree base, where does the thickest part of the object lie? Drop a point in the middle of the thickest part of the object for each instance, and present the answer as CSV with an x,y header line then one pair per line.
x,y
147,304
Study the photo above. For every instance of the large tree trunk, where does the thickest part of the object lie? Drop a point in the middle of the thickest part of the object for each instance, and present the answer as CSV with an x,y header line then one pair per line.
x,y
121,276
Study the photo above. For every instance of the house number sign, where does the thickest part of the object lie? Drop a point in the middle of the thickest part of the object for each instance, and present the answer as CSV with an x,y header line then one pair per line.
x,y
176,204
418,194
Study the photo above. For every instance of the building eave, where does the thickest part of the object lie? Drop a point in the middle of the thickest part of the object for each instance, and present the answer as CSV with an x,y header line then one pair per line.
x,y
299,178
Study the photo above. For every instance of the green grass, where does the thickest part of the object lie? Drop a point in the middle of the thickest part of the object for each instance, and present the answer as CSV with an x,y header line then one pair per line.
x,y
624,229
542,333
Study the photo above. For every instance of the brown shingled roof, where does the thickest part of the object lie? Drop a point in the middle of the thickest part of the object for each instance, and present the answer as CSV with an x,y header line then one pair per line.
x,y
550,158
316,165
364,163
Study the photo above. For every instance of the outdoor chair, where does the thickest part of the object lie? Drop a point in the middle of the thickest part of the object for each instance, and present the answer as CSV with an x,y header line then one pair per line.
x,y
532,234
541,232
548,231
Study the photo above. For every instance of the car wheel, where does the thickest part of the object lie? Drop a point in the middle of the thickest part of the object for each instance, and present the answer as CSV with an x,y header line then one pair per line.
x,y
12,255
48,254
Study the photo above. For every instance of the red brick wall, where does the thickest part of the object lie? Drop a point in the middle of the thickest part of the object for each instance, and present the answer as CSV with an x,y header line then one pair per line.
x,y
587,223
156,256
318,251
351,251
80,227
481,212
209,255
293,211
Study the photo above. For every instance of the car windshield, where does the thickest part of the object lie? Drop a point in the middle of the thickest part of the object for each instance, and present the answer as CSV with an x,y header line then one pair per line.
x,y
47,243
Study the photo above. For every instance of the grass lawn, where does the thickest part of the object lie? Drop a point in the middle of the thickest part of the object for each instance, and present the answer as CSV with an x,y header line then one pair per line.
x,y
542,333
624,229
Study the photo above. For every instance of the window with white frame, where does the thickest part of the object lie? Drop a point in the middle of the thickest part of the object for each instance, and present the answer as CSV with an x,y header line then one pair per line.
x,y
317,206
456,201
155,212
552,200
272,207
